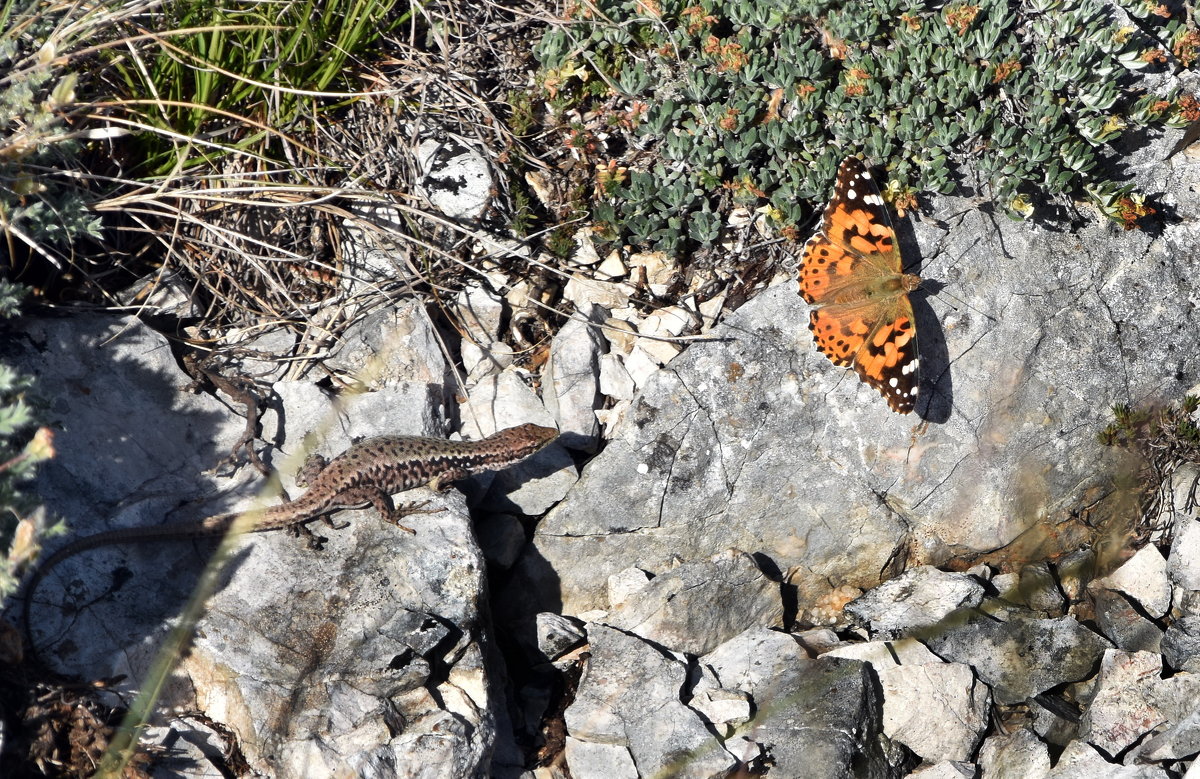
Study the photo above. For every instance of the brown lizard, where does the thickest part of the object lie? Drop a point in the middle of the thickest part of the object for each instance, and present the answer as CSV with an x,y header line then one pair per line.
x,y
368,473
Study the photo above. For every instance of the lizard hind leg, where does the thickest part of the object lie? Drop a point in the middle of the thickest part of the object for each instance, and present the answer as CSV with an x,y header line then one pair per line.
x,y
310,470
382,502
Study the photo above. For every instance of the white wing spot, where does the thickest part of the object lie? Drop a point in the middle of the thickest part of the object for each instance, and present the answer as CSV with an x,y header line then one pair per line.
x,y
851,194
874,200
893,382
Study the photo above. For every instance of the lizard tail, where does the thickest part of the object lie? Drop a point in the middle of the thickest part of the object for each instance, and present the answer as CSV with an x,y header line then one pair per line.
x,y
216,525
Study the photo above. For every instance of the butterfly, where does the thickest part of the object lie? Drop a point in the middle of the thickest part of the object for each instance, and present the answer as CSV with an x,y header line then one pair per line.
x,y
852,273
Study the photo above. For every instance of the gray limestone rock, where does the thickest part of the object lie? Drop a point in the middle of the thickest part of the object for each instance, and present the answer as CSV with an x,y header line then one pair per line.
x,y
455,178
571,381
1132,699
1018,755
369,656
1080,760
1121,623
1143,578
919,598
628,696
1181,644
697,606
938,710
588,760
1040,591
815,717
1022,655
754,441
557,635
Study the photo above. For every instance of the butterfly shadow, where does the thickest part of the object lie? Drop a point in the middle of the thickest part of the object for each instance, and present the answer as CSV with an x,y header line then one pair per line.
x,y
935,396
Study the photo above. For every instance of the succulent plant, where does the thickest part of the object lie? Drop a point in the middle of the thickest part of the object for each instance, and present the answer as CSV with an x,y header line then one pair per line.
x,y
754,102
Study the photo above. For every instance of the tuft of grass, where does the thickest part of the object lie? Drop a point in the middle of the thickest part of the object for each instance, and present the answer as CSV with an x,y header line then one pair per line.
x,y
230,71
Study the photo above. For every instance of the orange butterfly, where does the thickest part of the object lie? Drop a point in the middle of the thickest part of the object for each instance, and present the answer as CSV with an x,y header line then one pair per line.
x,y
853,275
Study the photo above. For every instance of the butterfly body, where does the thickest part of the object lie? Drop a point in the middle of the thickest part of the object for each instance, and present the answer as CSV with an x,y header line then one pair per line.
x,y
852,273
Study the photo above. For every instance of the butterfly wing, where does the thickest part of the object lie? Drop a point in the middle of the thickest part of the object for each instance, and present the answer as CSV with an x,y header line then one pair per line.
x,y
852,272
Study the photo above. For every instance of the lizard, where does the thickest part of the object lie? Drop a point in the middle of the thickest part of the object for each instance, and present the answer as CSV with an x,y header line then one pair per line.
x,y
367,473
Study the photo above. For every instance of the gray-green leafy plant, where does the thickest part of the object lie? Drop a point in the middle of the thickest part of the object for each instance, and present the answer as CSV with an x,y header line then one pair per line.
x,y
755,102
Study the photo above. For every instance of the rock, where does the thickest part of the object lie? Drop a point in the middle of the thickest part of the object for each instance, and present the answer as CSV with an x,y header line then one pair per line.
x,y
716,433
814,717
1183,564
478,310
886,654
818,641
723,709
599,761
1131,699
919,598
1181,645
1143,578
502,538
310,679
1178,741
1023,655
1075,571
1081,761
948,769
1039,590
557,635
571,382
1121,623
1019,755
392,347
628,696
697,606
615,381
1008,587
623,584
938,710
454,178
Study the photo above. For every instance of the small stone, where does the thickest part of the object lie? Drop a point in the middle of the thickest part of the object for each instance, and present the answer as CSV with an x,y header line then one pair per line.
x,y
557,635
1019,755
1121,623
1021,655
1132,699
1181,645
697,606
887,654
938,710
1142,577
1080,760
818,641
623,584
615,381
1075,571
454,178
920,597
1039,590
1183,565
628,696
588,760
724,709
